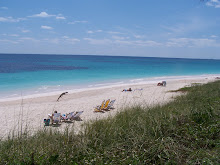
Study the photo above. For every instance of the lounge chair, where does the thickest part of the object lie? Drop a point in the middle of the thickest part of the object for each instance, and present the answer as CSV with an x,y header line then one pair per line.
x,y
106,105
110,105
164,83
50,116
99,108
76,115
56,118
67,116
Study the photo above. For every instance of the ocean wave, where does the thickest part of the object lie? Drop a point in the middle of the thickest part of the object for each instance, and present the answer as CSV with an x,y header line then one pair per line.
x,y
45,87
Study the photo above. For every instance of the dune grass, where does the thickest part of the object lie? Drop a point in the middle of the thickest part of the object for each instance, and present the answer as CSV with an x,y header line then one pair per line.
x,y
184,131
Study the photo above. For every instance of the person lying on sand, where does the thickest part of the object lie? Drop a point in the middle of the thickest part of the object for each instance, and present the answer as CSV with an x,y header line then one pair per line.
x,y
125,90
163,83
159,84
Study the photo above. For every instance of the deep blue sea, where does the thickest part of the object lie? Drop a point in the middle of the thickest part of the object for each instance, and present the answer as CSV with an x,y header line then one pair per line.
x,y
23,74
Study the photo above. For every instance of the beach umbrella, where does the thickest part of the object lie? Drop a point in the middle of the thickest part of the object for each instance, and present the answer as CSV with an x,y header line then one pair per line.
x,y
61,95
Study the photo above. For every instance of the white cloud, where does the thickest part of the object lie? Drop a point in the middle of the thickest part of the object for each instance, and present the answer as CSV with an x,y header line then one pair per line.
x,y
28,39
42,15
4,8
213,3
192,42
72,40
173,42
188,25
11,19
90,32
54,40
121,41
98,41
143,43
9,41
25,31
213,36
96,31
46,27
119,38
147,43
60,17
14,35
180,28
10,35
75,22
139,36
64,39
111,32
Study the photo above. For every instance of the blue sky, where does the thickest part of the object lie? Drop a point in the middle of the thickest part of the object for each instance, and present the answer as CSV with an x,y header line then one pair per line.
x,y
151,28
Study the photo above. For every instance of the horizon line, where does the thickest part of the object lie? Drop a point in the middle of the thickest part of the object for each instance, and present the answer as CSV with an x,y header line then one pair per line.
x,y
110,56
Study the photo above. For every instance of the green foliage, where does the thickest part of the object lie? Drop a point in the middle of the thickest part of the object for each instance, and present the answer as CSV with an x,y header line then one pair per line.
x,y
185,131
186,89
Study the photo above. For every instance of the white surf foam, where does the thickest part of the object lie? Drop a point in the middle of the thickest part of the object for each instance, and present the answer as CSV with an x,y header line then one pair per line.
x,y
58,89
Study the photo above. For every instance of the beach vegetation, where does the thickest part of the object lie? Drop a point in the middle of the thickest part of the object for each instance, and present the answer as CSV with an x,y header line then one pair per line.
x,y
184,131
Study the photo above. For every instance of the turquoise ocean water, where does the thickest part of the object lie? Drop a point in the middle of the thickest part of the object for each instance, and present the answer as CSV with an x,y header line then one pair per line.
x,y
23,74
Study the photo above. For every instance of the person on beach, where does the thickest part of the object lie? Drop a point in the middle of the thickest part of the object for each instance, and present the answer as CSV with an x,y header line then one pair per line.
x,y
125,90
159,84
61,95
51,116
163,83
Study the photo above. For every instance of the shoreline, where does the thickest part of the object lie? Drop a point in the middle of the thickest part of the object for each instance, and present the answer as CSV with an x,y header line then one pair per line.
x,y
28,113
120,83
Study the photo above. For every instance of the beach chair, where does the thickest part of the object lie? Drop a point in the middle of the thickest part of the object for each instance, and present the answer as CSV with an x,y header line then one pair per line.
x,y
70,115
76,115
67,116
106,105
164,83
50,116
99,108
110,105
56,118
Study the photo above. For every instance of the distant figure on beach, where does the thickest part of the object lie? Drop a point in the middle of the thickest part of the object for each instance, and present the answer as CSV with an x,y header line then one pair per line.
x,y
159,84
164,83
51,116
125,90
61,95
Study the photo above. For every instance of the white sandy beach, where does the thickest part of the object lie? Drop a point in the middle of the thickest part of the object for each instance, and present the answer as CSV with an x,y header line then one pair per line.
x,y
16,115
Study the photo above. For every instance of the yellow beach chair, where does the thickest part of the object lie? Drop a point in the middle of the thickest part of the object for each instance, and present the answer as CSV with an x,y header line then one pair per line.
x,y
99,108
106,105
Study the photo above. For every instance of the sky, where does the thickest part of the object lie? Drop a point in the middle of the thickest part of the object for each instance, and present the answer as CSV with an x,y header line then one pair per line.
x,y
149,28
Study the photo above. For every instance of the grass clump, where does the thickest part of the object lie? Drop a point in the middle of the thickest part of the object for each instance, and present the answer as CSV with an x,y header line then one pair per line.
x,y
185,131
186,88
